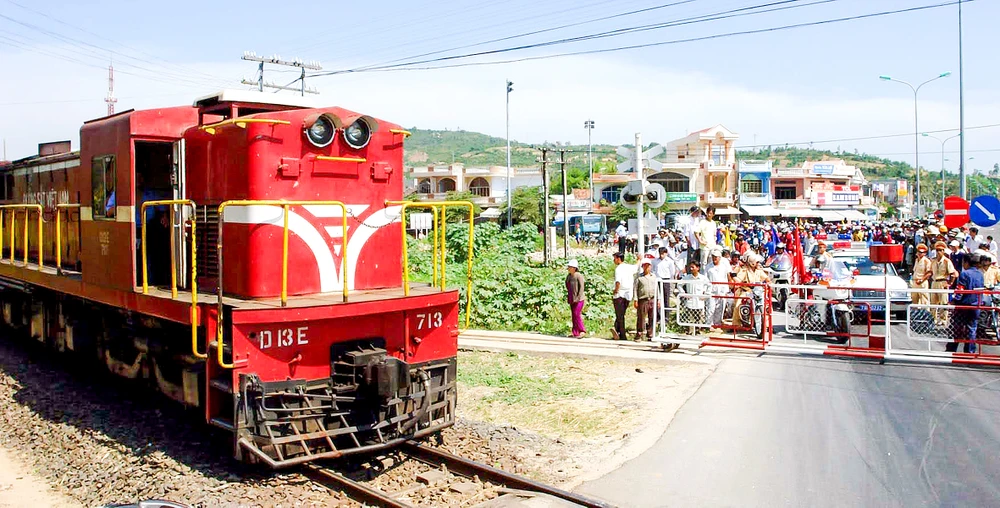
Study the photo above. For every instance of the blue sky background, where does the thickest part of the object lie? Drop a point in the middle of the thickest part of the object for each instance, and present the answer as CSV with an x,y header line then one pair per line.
x,y
798,85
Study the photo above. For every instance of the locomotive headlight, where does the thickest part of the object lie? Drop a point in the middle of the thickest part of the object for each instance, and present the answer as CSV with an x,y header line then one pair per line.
x,y
321,132
358,134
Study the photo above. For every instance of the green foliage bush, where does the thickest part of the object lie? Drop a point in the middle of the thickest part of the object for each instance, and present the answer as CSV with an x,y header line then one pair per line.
x,y
510,293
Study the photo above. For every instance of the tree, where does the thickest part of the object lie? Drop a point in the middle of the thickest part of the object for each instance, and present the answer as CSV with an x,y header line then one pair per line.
x,y
526,206
461,214
621,214
996,170
576,178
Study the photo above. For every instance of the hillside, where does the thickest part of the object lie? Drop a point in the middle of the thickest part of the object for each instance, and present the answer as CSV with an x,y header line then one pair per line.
x,y
426,147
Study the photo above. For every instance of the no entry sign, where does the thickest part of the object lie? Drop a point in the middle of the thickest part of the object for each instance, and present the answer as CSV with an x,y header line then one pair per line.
x,y
956,212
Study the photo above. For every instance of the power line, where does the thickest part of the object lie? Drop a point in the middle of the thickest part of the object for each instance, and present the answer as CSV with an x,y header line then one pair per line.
x,y
731,13
865,138
536,32
401,67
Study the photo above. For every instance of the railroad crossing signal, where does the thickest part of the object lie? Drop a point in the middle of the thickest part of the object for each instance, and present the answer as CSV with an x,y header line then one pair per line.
x,y
647,158
653,195
984,211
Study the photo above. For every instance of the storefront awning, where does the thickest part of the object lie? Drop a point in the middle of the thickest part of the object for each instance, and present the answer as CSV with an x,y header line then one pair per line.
x,y
799,212
727,211
854,215
830,215
761,210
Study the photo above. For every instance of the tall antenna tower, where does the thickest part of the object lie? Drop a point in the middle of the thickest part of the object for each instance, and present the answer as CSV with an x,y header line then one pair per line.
x,y
110,99
276,60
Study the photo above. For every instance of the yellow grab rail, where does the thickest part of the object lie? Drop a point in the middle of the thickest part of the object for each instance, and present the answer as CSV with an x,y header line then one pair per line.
x,y
359,160
436,208
59,209
13,216
405,133
241,123
173,262
284,253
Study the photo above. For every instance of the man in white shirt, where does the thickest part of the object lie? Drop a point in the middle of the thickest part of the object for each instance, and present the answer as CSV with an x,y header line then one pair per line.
x,y
621,233
992,246
690,231
664,269
973,240
718,275
707,231
624,280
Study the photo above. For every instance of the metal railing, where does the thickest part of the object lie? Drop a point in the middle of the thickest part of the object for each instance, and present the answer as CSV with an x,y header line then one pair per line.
x,y
439,208
59,209
284,253
173,263
241,123
13,216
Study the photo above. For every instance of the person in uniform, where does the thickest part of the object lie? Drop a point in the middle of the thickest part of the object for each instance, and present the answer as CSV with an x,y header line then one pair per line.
x,y
921,276
943,275
968,299
750,273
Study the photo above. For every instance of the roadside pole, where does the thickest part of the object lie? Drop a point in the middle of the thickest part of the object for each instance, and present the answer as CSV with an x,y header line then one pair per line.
x,y
545,205
562,167
641,245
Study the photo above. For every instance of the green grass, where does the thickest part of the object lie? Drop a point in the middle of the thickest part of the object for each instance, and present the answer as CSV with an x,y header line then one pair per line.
x,y
515,379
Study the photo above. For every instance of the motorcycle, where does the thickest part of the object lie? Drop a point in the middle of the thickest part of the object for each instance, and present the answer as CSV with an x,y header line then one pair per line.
x,y
780,271
752,310
830,311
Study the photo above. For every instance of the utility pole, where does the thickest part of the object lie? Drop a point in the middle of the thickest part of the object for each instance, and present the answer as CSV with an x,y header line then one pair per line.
x,y
510,88
562,167
641,245
110,99
589,125
961,110
545,203
250,56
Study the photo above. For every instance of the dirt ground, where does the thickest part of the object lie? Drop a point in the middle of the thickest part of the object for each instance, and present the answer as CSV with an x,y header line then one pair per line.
x,y
21,489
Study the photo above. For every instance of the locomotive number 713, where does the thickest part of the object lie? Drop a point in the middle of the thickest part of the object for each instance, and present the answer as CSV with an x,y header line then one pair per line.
x,y
428,320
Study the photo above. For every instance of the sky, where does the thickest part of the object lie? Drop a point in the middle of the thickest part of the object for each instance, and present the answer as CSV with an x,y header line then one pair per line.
x,y
806,84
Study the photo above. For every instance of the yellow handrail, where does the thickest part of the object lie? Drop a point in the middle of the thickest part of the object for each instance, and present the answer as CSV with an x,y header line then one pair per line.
x,y
284,253
341,159
241,123
59,209
173,262
439,207
26,207
405,133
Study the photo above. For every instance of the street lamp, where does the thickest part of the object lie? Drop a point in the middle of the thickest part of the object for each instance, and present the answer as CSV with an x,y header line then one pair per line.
x,y
942,141
510,88
916,129
589,125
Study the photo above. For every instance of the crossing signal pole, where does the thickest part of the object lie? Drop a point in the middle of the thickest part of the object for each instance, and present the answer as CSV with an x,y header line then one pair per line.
x,y
545,204
276,60
565,207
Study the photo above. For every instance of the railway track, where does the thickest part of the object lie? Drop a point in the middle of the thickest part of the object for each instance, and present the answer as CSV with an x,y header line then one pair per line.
x,y
452,472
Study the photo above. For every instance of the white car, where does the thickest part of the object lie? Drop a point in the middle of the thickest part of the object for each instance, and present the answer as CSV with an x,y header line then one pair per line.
x,y
854,268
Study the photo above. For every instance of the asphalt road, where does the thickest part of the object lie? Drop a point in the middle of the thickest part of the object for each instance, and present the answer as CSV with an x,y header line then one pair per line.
x,y
804,431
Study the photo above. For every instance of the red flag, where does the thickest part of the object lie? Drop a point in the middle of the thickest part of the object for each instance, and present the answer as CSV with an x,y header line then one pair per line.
x,y
798,259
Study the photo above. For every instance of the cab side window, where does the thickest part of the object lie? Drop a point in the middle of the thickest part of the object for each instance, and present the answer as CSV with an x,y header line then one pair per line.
x,y
102,182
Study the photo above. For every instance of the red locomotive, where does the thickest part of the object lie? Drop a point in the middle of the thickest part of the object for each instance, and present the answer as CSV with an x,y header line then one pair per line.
x,y
266,285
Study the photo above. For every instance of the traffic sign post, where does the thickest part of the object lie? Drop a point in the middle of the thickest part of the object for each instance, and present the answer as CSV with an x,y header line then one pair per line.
x,y
984,211
956,212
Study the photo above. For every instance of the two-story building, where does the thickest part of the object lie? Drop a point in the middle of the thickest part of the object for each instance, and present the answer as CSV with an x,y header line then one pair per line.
x,y
831,190
489,184
696,170
754,196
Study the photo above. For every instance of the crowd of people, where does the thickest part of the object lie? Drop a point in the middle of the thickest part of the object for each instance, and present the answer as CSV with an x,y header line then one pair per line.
x,y
710,257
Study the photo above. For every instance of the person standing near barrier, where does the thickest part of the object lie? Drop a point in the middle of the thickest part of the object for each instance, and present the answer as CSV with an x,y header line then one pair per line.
x,y
624,278
968,299
750,274
621,235
921,276
575,296
695,292
707,235
691,231
665,270
943,275
718,276
644,294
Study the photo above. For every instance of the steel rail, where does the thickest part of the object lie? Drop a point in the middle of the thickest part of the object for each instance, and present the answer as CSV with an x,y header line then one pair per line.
x,y
356,490
468,468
